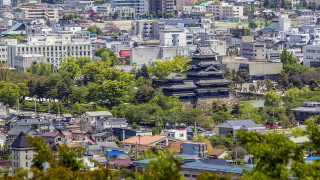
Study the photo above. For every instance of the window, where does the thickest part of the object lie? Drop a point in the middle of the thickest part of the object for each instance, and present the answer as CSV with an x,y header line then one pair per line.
x,y
186,175
26,151
26,164
27,156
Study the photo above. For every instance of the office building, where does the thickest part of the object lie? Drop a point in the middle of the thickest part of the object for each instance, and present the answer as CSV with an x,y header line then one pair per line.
x,y
225,11
141,6
48,13
54,48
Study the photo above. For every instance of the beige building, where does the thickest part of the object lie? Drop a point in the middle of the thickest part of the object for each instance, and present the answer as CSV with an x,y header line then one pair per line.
x,y
225,11
93,116
22,154
50,13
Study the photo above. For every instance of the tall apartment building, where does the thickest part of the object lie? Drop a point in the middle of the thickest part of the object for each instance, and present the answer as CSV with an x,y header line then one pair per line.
x,y
168,6
225,11
50,13
54,48
311,55
141,6
147,29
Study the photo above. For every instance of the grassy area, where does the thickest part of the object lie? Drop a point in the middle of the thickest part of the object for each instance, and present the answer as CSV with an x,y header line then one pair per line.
x,y
279,131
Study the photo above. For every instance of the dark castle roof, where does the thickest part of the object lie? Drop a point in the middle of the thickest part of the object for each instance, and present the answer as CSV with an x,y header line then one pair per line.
x,y
205,51
21,141
175,76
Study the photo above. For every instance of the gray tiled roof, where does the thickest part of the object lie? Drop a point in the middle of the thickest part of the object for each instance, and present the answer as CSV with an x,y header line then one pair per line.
x,y
99,113
246,122
21,141
175,75
16,130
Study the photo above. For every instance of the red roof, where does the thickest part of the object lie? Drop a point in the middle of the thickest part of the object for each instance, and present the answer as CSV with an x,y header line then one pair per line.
x,y
124,53
122,162
50,134
5,162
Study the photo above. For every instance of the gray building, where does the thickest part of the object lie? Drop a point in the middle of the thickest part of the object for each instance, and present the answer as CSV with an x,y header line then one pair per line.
x,y
4,109
309,109
195,148
22,154
25,61
145,55
106,123
232,126
147,29
253,51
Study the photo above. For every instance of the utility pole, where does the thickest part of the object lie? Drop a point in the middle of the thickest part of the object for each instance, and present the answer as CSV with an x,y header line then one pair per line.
x,y
175,119
18,108
35,106
49,107
236,151
158,124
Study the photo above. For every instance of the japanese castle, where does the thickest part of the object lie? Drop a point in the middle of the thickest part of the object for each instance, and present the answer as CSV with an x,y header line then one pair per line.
x,y
204,79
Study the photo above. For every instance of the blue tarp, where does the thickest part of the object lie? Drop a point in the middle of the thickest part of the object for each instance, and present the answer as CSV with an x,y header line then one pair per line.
x,y
114,153
310,159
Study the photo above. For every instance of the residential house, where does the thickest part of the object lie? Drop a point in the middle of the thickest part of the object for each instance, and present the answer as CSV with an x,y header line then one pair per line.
x,y
107,123
53,137
194,167
125,133
195,148
124,55
93,116
102,148
175,133
104,137
158,140
39,124
231,127
16,130
218,153
309,109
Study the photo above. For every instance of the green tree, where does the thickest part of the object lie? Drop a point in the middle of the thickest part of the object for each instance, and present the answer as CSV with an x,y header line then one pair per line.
x,y
81,61
272,98
9,93
99,31
165,166
70,65
107,56
92,30
253,24
272,154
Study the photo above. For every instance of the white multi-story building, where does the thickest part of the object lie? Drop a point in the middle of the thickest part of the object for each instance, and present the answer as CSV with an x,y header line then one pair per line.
x,y
54,48
173,38
128,12
103,8
284,22
141,6
50,13
306,20
225,11
311,55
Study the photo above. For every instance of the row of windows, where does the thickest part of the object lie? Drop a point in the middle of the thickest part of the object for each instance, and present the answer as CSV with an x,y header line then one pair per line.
x,y
52,48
